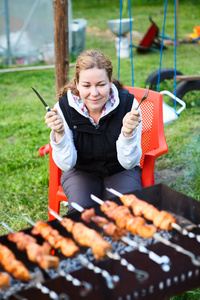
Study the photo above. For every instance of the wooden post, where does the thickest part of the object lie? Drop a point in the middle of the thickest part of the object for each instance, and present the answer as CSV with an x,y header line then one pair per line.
x,y
60,8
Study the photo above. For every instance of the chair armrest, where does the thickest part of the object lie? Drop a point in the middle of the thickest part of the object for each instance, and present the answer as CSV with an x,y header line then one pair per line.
x,y
148,166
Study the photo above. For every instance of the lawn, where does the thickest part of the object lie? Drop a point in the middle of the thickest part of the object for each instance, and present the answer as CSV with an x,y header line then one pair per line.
x,y
24,173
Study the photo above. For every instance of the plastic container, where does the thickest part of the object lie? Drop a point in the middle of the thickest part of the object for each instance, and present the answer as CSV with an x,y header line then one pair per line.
x,y
78,27
123,49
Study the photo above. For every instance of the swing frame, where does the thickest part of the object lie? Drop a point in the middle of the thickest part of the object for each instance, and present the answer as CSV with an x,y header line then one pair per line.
x,y
169,114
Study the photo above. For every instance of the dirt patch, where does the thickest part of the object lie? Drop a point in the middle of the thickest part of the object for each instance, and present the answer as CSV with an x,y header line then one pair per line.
x,y
99,33
136,36
167,176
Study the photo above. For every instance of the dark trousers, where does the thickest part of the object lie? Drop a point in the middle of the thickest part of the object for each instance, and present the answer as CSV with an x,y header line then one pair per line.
x,y
79,185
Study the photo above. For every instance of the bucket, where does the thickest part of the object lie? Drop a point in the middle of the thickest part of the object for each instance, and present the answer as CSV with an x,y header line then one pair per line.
x,y
123,51
48,53
78,35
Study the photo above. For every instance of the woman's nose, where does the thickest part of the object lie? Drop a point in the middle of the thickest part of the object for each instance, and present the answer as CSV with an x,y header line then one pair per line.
x,y
94,91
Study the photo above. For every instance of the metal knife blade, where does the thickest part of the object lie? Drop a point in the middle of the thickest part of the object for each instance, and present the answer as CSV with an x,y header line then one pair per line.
x,y
41,99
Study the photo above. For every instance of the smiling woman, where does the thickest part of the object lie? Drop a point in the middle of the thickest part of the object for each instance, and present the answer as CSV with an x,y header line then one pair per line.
x,y
96,132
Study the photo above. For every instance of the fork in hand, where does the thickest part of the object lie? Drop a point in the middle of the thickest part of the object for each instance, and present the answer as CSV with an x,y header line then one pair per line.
x,y
145,96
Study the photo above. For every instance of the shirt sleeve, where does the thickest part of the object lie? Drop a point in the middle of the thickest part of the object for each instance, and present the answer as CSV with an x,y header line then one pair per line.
x,y
129,150
64,152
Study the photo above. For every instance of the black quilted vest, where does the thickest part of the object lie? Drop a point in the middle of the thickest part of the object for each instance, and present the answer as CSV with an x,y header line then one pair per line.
x,y
96,145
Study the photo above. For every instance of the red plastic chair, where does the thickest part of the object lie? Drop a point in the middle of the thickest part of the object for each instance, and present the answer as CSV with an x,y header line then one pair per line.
x,y
153,145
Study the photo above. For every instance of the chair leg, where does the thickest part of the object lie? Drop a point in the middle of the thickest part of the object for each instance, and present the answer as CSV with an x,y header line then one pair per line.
x,y
55,205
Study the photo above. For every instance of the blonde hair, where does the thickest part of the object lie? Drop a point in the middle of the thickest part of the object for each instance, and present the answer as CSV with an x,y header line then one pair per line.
x,y
88,60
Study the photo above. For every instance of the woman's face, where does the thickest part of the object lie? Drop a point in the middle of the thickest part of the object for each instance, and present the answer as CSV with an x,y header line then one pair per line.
x,y
94,89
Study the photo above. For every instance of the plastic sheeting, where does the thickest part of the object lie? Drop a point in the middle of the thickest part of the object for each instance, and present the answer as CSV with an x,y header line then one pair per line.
x,y
26,31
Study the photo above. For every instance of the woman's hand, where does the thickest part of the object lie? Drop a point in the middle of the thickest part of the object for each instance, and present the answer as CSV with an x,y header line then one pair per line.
x,y
130,121
55,123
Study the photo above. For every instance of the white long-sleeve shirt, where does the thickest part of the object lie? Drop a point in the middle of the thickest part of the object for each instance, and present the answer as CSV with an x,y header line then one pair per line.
x,y
128,149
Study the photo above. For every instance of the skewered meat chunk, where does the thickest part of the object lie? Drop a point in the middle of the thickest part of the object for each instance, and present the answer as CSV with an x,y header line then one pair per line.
x,y
36,253
163,220
108,205
125,220
160,219
128,199
137,205
109,228
68,224
66,245
4,280
24,240
119,212
112,230
21,239
132,224
87,237
100,221
136,226
146,231
87,214
13,266
48,261
150,212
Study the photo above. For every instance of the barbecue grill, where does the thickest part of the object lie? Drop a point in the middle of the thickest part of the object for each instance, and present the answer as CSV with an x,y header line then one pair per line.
x,y
89,284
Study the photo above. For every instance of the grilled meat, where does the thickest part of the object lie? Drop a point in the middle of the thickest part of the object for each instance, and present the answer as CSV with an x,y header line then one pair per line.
x,y
57,241
36,253
109,228
160,219
87,237
13,266
125,220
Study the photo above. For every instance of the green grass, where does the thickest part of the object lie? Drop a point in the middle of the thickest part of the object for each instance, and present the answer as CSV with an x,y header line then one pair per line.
x,y
24,173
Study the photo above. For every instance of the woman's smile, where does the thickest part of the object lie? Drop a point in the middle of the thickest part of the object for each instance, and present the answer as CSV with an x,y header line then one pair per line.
x,y
94,100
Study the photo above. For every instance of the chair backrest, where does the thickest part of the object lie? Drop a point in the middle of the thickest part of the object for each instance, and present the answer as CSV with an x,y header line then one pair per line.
x,y
152,121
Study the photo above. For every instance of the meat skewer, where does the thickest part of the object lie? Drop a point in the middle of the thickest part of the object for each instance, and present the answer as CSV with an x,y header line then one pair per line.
x,y
35,252
13,266
156,236
124,219
66,245
108,227
86,237
53,236
101,248
14,236
89,215
161,219
27,242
